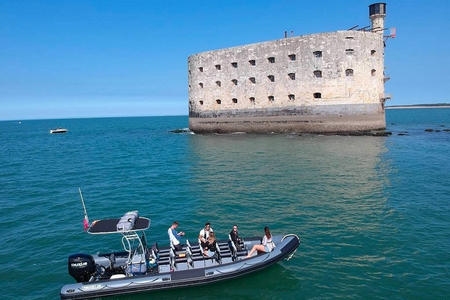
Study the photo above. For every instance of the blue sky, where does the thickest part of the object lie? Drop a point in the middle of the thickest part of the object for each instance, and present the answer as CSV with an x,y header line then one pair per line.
x,y
80,58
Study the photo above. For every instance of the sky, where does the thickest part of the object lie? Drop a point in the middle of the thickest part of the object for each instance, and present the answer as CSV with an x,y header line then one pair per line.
x,y
107,58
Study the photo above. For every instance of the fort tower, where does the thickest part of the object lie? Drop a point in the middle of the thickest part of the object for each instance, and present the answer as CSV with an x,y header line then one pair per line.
x,y
377,13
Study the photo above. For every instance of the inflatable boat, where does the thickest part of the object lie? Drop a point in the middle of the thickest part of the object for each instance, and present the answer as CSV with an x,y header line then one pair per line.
x,y
141,267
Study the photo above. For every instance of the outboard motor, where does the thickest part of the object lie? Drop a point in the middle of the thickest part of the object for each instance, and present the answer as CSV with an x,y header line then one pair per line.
x,y
81,267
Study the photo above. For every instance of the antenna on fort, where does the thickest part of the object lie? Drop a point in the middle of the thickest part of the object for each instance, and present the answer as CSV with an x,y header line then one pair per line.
x,y
363,28
354,27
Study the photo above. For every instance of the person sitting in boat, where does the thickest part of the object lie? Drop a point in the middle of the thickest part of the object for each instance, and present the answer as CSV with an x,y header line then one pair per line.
x,y
210,246
234,237
266,245
174,236
204,235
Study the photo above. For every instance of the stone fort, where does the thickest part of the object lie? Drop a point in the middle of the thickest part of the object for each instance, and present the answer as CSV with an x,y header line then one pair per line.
x,y
319,83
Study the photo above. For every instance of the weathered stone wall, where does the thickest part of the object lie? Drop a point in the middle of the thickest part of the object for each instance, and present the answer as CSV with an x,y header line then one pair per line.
x,y
326,75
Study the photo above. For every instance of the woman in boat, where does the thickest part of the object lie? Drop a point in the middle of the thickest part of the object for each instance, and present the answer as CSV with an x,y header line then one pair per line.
x,y
266,245
211,245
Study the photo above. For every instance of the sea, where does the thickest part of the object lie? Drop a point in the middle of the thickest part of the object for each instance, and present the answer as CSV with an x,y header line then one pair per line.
x,y
373,213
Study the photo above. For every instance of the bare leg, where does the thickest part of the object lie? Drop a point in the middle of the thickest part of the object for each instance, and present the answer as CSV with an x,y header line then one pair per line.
x,y
256,248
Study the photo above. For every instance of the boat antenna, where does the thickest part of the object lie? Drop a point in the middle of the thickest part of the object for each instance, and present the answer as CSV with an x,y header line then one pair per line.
x,y
86,218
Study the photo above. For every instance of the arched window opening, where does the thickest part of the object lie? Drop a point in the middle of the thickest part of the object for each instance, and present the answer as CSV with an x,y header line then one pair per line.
x,y
349,72
291,76
200,84
234,64
218,67
317,95
201,102
271,98
271,78
218,101
291,97
234,81
252,62
373,72
234,100
317,73
252,100
292,56
218,83
252,79
271,59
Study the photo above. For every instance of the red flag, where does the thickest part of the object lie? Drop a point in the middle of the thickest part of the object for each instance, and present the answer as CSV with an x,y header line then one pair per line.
x,y
85,223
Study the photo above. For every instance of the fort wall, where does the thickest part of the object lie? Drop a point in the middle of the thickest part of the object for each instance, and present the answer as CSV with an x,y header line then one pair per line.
x,y
325,82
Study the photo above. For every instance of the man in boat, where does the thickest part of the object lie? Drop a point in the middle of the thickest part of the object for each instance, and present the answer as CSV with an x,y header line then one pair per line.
x,y
174,236
204,235
234,237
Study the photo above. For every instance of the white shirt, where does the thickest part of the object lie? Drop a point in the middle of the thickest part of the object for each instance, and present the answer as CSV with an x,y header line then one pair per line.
x,y
203,232
173,239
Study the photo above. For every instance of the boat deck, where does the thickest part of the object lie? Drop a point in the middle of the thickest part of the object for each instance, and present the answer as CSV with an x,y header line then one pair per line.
x,y
193,258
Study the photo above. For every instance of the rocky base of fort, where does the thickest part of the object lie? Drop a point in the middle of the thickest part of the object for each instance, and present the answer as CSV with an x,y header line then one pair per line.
x,y
366,124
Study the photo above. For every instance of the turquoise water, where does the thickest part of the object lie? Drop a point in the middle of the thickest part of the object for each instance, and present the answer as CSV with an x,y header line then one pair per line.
x,y
372,212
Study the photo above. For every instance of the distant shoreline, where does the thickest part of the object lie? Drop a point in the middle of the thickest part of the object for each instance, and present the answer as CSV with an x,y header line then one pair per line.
x,y
439,105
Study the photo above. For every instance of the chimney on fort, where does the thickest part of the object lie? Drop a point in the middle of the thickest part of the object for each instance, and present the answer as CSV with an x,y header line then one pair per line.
x,y
377,12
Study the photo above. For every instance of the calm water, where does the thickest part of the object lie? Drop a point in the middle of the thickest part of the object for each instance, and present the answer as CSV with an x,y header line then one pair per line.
x,y
373,213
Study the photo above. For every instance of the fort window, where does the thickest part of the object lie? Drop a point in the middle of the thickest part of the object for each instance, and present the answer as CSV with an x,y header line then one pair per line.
x,y
200,69
234,64
218,67
252,100
201,102
317,53
200,84
271,59
291,76
373,72
234,81
252,62
317,95
349,72
234,100
291,97
218,83
349,38
218,101
271,78
349,51
292,56
252,79
271,98
372,52
317,73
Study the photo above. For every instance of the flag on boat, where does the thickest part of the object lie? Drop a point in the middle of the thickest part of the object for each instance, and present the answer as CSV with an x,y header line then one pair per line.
x,y
86,218
85,223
